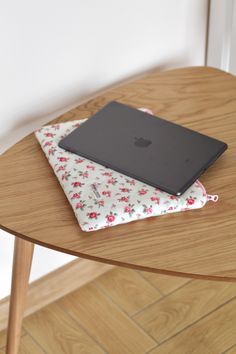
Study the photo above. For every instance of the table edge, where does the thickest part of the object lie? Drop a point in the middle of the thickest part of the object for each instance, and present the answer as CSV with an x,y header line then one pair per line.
x,y
120,263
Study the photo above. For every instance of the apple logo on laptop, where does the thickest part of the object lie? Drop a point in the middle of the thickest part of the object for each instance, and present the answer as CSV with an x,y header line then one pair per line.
x,y
141,142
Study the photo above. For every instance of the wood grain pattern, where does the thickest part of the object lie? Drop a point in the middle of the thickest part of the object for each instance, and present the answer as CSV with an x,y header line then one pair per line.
x,y
3,339
27,346
23,253
62,281
231,350
209,336
192,326
55,330
122,286
199,243
179,310
164,283
101,317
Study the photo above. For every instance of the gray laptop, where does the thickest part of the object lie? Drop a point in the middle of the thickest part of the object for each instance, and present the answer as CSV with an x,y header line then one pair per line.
x,y
150,149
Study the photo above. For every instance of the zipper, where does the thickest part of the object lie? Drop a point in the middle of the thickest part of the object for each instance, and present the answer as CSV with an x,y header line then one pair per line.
x,y
212,197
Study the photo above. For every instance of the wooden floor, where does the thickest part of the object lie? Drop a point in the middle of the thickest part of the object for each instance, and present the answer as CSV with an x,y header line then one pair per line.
x,y
130,312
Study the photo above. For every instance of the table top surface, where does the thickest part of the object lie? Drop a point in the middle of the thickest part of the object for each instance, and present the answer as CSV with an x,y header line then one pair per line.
x,y
199,243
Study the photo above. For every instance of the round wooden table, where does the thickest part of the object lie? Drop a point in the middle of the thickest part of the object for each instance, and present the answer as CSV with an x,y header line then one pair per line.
x,y
198,244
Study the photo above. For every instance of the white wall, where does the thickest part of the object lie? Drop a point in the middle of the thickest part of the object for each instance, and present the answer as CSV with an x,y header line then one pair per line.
x,y
222,35
54,54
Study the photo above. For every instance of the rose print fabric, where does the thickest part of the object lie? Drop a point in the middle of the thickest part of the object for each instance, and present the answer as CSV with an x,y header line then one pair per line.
x,y
101,197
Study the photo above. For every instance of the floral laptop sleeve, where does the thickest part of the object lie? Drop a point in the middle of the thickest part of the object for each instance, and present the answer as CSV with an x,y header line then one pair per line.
x,y
101,197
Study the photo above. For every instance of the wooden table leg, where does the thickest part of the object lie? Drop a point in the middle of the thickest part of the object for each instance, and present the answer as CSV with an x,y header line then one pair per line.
x,y
23,254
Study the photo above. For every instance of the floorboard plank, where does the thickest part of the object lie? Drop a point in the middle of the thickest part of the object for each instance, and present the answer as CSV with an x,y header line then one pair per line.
x,y
3,337
211,335
198,318
128,289
164,283
105,322
63,280
183,307
27,346
231,350
58,333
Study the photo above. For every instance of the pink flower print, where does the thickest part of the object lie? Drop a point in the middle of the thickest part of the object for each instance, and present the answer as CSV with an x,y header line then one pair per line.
x,y
108,174
125,190
142,191
147,210
77,184
129,209
80,205
93,215
170,208
61,168
48,143
155,199
111,217
77,125
112,181
173,197
65,176
83,174
49,135
56,126
52,151
76,196
190,200
106,193
100,203
63,159
90,167
131,182
79,160
123,199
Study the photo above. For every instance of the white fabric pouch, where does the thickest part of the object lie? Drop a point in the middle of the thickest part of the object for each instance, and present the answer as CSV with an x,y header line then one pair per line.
x,y
101,197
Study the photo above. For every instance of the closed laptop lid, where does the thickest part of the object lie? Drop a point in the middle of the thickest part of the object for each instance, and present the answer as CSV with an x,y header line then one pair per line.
x,y
151,149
